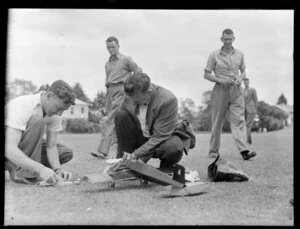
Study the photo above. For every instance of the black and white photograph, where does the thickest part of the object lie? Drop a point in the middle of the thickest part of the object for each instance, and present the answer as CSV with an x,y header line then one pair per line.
x,y
149,117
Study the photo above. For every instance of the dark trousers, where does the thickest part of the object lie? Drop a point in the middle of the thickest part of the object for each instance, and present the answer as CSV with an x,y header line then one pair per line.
x,y
130,137
65,154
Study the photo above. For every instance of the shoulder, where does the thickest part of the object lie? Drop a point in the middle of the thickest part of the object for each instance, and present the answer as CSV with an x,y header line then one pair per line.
x,y
253,89
24,102
124,58
164,95
19,110
215,53
239,52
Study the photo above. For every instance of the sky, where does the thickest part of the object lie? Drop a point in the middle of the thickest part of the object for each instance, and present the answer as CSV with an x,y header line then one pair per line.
x,y
171,46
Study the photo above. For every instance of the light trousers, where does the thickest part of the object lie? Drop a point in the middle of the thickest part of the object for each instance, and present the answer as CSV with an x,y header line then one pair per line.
x,y
114,98
228,99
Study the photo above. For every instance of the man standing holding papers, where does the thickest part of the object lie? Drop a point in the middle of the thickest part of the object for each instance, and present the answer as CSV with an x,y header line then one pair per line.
x,y
227,94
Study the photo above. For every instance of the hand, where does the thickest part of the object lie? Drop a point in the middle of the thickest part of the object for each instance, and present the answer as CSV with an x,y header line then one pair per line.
x,y
64,175
49,175
227,82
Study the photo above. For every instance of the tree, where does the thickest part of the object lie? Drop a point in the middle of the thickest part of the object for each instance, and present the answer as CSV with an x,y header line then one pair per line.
x,y
205,116
189,111
99,101
19,87
271,117
187,108
282,100
80,94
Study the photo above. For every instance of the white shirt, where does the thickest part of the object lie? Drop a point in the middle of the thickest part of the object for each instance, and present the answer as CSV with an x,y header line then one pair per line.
x,y
142,118
19,110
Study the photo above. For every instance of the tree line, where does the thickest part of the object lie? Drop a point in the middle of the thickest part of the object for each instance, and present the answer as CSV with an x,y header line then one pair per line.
x,y
270,117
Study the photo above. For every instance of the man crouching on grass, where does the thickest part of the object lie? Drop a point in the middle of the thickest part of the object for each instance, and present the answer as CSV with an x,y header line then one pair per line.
x,y
28,157
147,125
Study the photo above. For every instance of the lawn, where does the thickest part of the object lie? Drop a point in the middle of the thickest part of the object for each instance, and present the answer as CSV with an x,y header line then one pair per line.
x,y
263,200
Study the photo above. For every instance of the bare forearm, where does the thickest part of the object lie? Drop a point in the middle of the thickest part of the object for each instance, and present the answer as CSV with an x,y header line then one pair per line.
x,y
18,157
52,156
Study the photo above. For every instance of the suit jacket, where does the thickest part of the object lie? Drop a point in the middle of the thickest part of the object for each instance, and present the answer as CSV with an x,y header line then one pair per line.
x,y
161,117
251,101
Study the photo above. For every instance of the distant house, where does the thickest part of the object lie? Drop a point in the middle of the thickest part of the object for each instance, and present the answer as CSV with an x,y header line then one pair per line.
x,y
288,109
79,110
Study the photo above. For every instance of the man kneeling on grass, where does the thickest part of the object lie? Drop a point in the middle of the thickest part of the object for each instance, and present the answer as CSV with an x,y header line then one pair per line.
x,y
28,157
147,125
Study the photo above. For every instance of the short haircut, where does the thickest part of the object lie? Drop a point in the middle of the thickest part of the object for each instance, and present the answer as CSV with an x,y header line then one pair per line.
x,y
136,83
63,91
227,31
111,39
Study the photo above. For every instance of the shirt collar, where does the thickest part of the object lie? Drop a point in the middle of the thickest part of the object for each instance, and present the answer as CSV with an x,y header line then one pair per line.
x,y
112,58
222,53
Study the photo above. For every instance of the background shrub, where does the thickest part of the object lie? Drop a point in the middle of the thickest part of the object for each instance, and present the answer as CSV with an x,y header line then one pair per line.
x,y
80,125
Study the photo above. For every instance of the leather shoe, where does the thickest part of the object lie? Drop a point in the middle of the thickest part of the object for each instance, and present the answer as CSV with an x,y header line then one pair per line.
x,y
247,154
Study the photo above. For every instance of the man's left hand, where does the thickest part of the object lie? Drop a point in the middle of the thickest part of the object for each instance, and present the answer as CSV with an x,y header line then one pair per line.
x,y
64,174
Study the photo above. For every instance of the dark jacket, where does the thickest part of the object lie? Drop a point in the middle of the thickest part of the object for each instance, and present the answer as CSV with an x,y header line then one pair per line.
x,y
161,118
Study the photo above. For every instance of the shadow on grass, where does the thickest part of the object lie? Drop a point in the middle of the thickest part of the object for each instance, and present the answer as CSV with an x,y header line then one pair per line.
x,y
196,194
119,188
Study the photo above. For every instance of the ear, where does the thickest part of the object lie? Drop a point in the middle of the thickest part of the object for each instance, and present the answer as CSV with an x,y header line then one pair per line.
x,y
49,94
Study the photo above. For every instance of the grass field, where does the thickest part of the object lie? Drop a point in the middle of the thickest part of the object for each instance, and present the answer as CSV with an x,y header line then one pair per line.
x,y
263,200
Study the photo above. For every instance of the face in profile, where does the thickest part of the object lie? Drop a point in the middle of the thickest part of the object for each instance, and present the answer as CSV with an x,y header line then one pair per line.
x,y
55,105
113,48
227,39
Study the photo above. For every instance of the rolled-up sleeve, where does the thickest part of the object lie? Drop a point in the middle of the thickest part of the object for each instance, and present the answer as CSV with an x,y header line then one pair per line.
x,y
211,62
132,66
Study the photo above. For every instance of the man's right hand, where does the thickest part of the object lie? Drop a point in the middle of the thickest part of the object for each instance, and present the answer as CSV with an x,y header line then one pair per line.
x,y
227,82
49,175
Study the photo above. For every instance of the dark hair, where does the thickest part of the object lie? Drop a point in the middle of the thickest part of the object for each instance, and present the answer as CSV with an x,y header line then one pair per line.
x,y
63,91
111,39
137,82
227,31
